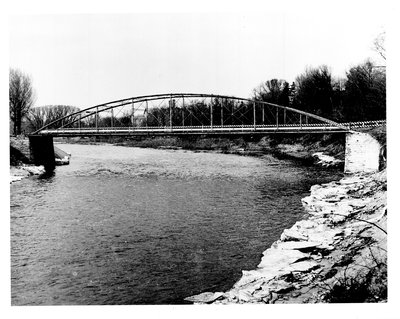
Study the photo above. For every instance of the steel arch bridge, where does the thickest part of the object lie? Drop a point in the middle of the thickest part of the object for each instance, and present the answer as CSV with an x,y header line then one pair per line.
x,y
191,114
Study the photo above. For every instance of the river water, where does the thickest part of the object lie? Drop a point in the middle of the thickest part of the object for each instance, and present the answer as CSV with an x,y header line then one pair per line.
x,y
124,225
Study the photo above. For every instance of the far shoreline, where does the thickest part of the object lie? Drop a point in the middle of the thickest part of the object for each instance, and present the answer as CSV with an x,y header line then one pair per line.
x,y
300,150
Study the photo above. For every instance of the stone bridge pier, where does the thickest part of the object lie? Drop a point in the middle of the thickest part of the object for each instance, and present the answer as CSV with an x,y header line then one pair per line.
x,y
42,151
362,153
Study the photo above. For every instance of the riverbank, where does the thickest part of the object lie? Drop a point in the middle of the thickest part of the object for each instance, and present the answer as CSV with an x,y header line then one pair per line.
x,y
21,165
337,254
22,171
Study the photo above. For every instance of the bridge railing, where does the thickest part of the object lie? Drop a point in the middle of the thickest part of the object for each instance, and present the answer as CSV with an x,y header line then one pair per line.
x,y
364,124
205,129
211,127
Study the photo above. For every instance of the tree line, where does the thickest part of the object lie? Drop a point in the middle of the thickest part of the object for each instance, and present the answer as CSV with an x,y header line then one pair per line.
x,y
360,96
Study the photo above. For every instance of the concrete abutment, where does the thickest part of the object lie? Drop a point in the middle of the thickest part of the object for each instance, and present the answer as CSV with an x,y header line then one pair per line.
x,y
362,153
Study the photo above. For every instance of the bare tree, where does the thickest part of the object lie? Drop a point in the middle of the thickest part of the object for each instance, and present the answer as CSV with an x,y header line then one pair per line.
x,y
274,91
55,112
314,91
41,116
379,45
21,97
365,94
36,118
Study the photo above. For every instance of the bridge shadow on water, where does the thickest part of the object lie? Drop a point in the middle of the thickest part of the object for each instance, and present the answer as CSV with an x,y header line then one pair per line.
x,y
47,176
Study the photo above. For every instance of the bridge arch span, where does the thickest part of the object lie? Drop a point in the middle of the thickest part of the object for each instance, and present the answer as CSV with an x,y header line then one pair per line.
x,y
194,114
187,113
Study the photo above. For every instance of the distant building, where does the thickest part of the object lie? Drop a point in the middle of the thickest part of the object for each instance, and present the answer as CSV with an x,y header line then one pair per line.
x,y
292,92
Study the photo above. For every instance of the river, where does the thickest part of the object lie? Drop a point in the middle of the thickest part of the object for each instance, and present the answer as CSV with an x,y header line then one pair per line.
x,y
124,225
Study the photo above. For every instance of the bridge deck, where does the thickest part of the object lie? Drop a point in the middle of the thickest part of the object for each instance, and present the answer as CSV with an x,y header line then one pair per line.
x,y
193,130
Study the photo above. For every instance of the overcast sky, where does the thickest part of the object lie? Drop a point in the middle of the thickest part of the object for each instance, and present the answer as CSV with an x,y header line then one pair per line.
x,y
82,60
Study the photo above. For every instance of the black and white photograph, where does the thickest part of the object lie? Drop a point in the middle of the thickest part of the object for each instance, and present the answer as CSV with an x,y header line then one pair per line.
x,y
199,158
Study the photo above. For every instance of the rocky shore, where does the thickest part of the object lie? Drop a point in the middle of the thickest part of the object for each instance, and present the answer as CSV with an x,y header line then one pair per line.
x,y
337,254
22,171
